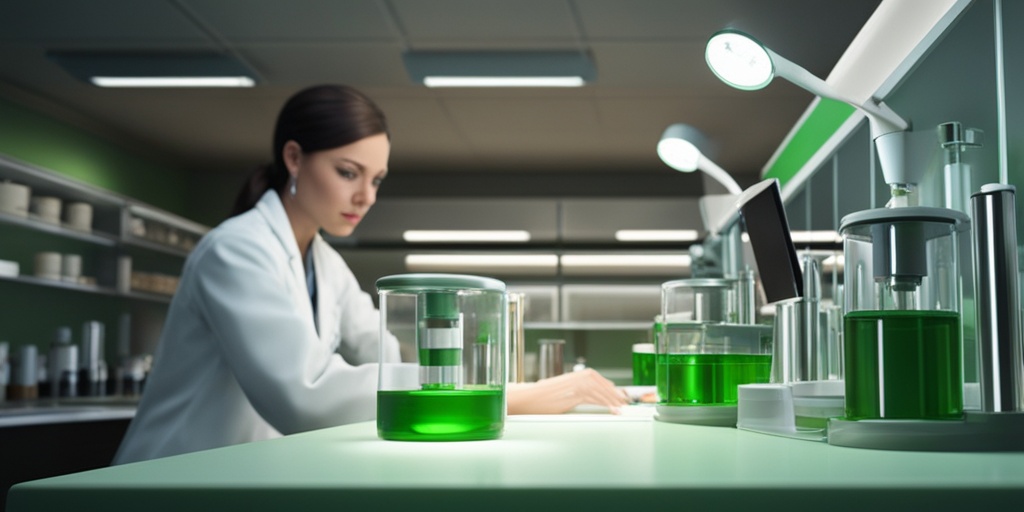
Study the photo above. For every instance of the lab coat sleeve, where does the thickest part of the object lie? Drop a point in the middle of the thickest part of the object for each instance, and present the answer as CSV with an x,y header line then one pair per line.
x,y
252,302
360,324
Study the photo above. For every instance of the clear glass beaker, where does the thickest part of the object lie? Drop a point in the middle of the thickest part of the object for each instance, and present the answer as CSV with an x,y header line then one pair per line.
x,y
453,388
702,354
902,354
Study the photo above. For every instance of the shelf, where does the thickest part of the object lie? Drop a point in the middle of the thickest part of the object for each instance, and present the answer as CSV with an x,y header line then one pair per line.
x,y
48,182
132,241
85,288
119,222
589,326
94,237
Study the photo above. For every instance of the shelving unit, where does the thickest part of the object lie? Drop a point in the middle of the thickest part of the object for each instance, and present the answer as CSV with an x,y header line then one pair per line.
x,y
121,225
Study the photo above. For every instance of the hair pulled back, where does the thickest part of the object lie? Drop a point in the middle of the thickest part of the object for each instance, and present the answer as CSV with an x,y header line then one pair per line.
x,y
317,118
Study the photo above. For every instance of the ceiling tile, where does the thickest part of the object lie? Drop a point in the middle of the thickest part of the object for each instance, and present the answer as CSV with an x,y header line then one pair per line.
x,y
70,22
294,20
362,64
490,20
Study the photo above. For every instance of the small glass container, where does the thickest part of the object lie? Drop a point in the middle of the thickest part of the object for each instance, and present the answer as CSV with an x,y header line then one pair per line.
x,y
643,364
703,355
453,389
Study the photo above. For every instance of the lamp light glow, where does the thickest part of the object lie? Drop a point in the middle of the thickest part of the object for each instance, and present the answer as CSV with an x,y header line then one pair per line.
x,y
677,148
739,60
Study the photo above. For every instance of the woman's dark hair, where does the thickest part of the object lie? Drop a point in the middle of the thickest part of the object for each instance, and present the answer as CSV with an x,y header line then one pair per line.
x,y
317,118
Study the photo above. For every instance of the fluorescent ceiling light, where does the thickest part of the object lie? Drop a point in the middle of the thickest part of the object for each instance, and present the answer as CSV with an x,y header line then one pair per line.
x,y
419,261
503,81
626,260
173,81
656,235
466,236
156,69
809,237
815,237
500,68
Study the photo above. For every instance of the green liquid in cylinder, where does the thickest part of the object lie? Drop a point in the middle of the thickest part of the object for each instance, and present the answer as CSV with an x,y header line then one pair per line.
x,y
708,379
919,356
643,368
440,357
440,415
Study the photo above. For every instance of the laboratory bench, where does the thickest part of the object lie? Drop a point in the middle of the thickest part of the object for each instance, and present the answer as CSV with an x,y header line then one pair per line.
x,y
565,462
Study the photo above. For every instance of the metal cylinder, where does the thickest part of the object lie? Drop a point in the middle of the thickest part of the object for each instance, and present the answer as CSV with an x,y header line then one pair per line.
x,y
516,337
807,356
1000,354
92,360
551,358
787,337
747,298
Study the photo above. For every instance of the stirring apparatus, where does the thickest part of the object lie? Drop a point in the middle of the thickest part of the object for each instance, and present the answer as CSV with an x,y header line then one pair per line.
x,y
454,387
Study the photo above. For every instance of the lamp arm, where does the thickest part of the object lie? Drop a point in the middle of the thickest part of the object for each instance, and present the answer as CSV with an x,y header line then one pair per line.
x,y
882,119
712,169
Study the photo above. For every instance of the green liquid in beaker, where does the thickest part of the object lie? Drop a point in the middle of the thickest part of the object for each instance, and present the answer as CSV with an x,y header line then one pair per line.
x,y
643,368
919,352
708,379
440,415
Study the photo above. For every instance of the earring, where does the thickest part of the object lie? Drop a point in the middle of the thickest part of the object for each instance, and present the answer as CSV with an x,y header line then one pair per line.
x,y
292,189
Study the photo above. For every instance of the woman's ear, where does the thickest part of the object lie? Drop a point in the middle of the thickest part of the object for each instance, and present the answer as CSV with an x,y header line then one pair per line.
x,y
292,155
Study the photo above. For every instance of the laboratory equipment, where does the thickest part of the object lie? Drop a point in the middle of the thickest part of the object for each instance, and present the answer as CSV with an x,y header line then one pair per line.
x,y
704,353
92,378
454,388
516,337
551,358
643,364
904,356
1000,351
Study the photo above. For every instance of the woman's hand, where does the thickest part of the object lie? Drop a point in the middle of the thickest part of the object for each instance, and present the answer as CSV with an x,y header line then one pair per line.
x,y
559,394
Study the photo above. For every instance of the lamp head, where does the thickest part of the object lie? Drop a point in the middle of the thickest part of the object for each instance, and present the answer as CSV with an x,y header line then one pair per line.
x,y
678,147
739,60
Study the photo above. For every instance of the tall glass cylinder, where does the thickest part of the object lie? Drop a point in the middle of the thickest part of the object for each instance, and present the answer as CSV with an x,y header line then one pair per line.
x,y
452,387
902,332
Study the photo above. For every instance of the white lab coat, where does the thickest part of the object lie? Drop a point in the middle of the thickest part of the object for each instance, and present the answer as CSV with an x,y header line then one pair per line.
x,y
240,358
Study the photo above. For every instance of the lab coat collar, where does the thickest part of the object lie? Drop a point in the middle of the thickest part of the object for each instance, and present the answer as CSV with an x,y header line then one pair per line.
x,y
272,209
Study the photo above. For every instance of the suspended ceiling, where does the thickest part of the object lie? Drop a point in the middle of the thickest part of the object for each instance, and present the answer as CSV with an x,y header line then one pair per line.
x,y
648,55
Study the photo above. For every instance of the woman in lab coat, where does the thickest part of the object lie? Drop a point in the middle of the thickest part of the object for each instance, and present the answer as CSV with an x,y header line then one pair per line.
x,y
269,332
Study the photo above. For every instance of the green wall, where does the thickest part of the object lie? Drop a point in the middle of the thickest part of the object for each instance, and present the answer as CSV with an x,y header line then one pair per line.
x,y
41,140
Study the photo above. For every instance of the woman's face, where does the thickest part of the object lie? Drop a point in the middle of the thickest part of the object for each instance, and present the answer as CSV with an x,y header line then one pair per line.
x,y
336,187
